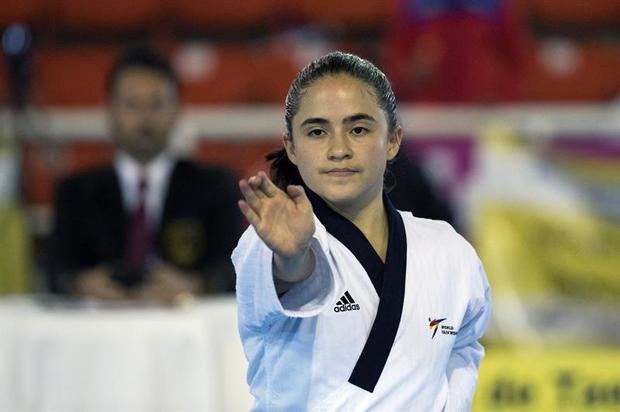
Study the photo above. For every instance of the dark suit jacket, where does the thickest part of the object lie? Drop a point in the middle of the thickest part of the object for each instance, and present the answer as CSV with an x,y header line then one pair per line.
x,y
199,227
411,190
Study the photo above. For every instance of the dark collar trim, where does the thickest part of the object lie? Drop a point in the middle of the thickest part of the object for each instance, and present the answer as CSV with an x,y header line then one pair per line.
x,y
350,236
388,280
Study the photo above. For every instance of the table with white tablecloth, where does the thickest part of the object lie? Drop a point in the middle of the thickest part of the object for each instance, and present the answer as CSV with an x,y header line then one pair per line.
x,y
84,357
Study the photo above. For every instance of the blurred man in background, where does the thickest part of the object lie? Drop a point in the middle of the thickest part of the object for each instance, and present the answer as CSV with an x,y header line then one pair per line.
x,y
150,227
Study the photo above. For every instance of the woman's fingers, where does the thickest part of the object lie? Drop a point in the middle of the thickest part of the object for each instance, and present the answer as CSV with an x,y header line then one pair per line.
x,y
249,214
297,194
256,183
267,186
250,195
262,198
263,186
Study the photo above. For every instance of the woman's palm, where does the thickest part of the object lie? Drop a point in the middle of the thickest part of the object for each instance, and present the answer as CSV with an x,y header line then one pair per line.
x,y
283,220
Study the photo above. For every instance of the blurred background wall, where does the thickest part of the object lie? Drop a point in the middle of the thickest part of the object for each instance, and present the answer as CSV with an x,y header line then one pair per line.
x,y
511,107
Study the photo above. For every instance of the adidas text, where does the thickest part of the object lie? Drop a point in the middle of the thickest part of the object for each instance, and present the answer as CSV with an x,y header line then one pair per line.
x,y
346,308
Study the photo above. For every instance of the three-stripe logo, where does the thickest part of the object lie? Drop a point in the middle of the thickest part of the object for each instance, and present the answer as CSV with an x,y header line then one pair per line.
x,y
346,303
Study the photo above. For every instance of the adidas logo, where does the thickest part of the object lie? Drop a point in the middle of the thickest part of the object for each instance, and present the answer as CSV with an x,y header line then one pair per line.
x,y
346,303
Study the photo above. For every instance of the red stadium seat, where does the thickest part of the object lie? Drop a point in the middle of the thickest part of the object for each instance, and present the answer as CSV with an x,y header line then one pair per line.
x,y
230,14
21,11
237,74
71,75
360,14
524,7
575,12
211,75
106,15
75,76
275,70
594,75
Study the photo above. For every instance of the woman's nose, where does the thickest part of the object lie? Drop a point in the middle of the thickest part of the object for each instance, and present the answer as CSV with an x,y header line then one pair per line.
x,y
339,147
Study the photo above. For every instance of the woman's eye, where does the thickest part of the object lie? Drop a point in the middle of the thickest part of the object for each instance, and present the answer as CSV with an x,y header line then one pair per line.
x,y
359,131
316,132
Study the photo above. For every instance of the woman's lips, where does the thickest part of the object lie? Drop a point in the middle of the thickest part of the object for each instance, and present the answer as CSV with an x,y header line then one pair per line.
x,y
341,172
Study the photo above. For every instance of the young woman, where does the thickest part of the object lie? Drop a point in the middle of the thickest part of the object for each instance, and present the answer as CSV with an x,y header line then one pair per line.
x,y
346,303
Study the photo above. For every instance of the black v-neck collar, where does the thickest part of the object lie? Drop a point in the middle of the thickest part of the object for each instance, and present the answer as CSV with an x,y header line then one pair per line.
x,y
388,280
349,235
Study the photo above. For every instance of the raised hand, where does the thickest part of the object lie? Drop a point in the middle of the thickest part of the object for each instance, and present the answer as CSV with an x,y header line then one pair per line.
x,y
283,220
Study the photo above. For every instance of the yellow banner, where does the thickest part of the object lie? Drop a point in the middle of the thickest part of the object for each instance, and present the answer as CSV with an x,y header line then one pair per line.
x,y
14,251
566,380
540,252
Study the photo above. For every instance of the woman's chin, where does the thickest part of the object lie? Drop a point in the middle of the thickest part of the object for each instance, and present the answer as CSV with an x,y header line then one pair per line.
x,y
342,199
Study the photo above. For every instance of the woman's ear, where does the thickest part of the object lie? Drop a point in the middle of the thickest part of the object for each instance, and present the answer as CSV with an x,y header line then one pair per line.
x,y
287,142
394,142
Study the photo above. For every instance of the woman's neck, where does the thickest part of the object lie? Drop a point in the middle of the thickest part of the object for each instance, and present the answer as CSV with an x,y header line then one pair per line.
x,y
372,221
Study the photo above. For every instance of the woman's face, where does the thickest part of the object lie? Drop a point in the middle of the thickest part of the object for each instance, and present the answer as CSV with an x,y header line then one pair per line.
x,y
340,141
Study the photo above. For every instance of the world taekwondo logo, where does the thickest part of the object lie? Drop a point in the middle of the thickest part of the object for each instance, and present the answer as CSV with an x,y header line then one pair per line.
x,y
346,303
434,324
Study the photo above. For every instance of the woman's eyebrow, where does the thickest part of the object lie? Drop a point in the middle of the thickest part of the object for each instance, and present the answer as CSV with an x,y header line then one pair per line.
x,y
357,117
349,119
314,120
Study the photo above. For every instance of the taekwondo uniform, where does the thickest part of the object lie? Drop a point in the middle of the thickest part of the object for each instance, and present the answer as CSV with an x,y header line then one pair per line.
x,y
359,334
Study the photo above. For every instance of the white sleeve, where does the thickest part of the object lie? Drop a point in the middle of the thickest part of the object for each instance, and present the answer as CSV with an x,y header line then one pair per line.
x,y
258,302
467,352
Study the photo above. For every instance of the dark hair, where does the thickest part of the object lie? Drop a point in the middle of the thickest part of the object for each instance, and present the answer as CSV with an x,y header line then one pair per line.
x,y
283,172
140,57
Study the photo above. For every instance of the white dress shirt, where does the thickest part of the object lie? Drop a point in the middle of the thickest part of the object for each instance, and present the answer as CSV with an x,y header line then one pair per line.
x,y
157,174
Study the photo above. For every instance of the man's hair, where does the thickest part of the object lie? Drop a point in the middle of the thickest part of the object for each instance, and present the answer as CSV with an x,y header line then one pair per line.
x,y
142,57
